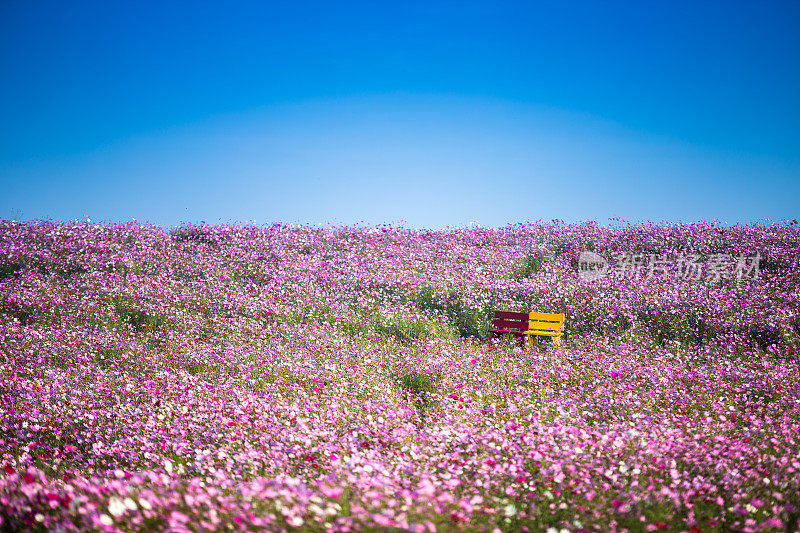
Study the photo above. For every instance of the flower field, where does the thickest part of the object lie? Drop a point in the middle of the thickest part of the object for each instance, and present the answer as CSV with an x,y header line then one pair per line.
x,y
275,378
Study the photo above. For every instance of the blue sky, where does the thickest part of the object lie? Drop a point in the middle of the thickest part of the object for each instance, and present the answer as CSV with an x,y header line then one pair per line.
x,y
426,114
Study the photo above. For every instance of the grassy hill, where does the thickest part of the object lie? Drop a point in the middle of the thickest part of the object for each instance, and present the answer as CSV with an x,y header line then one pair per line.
x,y
213,377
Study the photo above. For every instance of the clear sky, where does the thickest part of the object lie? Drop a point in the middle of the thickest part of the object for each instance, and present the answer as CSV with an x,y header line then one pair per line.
x,y
427,114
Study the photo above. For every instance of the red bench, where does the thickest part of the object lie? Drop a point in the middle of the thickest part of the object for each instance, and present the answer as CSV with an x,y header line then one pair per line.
x,y
510,323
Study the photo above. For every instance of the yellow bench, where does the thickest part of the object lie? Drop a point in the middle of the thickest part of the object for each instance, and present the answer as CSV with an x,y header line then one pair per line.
x,y
545,325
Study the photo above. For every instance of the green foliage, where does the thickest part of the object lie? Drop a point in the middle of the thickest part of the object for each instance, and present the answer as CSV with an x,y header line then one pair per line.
x,y
139,320
472,323
287,378
69,270
26,315
530,265
250,273
507,341
405,331
9,269
355,329
195,368
564,248
307,314
467,321
105,357
764,336
691,330
195,235
779,266
428,300
421,386
143,322
418,383
386,291
307,249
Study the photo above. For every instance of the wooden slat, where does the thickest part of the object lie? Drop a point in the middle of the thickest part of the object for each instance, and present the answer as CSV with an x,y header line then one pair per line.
x,y
549,326
549,317
501,331
545,333
511,315
510,324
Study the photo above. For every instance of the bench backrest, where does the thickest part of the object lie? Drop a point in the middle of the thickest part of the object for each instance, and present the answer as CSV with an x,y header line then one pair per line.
x,y
511,320
546,322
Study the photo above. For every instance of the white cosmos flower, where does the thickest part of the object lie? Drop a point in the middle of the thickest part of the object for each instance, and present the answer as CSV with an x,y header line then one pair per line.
x,y
115,506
